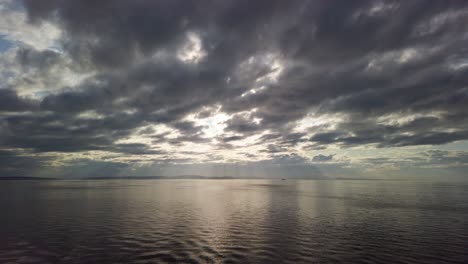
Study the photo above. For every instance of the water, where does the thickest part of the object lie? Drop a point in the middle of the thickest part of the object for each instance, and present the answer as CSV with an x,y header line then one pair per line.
x,y
233,221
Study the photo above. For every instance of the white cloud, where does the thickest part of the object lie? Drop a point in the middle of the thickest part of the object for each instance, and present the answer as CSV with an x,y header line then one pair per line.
x,y
15,28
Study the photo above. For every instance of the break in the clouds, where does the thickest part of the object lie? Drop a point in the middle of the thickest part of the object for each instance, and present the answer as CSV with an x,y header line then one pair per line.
x,y
250,88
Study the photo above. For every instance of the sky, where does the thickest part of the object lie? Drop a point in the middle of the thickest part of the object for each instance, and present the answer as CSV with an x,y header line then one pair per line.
x,y
233,88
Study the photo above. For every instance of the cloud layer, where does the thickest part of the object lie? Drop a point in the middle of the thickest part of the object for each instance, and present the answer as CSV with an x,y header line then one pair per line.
x,y
142,83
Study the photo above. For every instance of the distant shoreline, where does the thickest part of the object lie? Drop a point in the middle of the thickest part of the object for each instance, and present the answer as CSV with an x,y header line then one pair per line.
x,y
189,177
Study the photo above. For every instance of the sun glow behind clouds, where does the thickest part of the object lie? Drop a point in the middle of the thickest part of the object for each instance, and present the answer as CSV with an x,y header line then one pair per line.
x,y
267,69
192,51
212,125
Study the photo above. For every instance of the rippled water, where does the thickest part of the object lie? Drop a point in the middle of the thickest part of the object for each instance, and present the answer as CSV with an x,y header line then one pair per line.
x,y
233,221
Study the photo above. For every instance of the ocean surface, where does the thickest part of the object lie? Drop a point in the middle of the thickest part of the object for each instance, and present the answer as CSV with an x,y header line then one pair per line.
x,y
233,221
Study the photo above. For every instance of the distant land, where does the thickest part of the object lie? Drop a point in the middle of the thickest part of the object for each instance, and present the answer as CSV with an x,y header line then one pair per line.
x,y
160,177
188,177
19,178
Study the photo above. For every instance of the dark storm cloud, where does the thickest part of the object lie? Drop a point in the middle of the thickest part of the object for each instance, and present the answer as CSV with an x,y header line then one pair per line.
x,y
119,27
16,163
10,101
343,37
360,59
65,133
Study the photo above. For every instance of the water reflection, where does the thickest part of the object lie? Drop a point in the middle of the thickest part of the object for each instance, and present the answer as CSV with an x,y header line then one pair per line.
x,y
240,221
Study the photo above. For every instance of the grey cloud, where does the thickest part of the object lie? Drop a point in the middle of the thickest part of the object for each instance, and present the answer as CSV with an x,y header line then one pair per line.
x,y
64,132
231,138
136,149
243,124
147,131
288,159
427,159
19,163
10,101
449,158
31,58
363,60
419,131
313,31
322,158
275,149
187,127
120,27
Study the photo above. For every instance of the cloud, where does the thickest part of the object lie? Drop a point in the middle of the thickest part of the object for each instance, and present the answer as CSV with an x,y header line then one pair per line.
x,y
15,28
19,163
446,158
322,158
10,101
278,80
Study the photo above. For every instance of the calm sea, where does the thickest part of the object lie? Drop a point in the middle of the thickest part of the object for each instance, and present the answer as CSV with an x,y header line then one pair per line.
x,y
233,221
